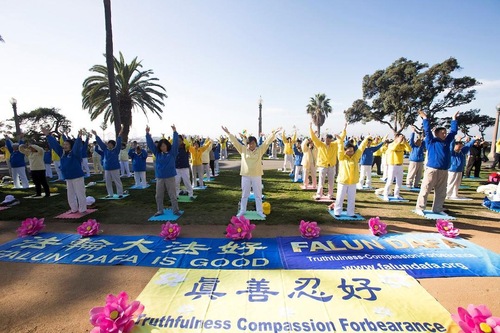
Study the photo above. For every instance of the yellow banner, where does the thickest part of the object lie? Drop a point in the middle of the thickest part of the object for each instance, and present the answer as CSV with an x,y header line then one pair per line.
x,y
184,300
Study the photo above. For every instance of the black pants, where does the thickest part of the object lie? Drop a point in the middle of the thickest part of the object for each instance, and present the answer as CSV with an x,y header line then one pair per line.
x,y
378,161
473,162
39,179
212,166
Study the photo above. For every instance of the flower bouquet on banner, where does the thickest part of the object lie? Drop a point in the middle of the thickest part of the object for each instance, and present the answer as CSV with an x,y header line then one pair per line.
x,y
476,319
170,231
239,228
377,227
117,316
309,229
30,227
89,228
447,229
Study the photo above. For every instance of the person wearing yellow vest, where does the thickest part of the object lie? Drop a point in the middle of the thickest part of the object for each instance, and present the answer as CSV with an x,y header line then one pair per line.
x,y
251,169
196,151
223,148
6,154
497,155
205,159
348,175
57,160
327,160
309,163
395,155
288,143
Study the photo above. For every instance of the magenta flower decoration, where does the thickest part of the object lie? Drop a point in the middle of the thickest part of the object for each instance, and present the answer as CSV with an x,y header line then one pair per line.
x,y
89,228
476,319
117,316
170,231
239,228
377,227
30,227
309,229
446,228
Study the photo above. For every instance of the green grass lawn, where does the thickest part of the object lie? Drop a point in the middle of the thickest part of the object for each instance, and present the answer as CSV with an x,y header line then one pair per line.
x,y
216,204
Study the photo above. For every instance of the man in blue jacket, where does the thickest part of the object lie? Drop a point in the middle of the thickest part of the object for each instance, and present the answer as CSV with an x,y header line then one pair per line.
x,y
438,162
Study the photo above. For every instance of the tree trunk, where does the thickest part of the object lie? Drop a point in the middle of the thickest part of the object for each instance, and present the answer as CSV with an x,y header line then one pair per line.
x,y
318,127
110,66
126,116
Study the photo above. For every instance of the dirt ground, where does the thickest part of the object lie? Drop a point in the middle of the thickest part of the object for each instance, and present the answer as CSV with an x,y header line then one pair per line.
x,y
57,298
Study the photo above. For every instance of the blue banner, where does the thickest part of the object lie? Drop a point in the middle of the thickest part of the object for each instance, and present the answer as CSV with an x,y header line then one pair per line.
x,y
207,253
420,255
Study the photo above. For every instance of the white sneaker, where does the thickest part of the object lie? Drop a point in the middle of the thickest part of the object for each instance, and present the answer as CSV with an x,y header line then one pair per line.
x,y
385,198
261,214
240,213
419,212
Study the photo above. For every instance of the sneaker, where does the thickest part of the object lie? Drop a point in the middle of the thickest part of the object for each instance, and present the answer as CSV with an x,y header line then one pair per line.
x,y
385,198
419,211
261,214
240,213
331,197
317,197
120,196
108,196
158,213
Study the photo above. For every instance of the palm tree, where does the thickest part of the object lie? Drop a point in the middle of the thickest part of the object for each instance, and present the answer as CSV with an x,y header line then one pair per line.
x,y
109,65
319,108
136,89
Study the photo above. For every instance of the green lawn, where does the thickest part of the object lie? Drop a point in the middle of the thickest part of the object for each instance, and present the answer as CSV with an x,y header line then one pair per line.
x,y
216,204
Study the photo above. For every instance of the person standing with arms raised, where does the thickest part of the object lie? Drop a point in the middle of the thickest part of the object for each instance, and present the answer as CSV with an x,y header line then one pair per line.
x,y
438,162
327,160
251,168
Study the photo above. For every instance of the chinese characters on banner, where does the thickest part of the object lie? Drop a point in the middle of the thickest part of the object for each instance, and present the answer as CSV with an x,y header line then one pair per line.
x,y
178,300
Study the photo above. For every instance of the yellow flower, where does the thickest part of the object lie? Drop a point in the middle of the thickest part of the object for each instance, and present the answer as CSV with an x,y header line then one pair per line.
x,y
113,315
485,328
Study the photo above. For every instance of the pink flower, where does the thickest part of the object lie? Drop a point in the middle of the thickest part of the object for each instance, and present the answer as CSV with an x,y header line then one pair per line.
x,y
170,231
30,227
446,228
89,228
476,319
117,316
309,229
239,228
377,227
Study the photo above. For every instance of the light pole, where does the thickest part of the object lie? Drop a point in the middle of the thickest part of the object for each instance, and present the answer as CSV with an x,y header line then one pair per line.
x,y
13,101
495,133
260,116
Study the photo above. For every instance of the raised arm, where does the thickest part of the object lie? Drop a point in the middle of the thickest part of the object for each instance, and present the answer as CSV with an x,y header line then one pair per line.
x,y
150,143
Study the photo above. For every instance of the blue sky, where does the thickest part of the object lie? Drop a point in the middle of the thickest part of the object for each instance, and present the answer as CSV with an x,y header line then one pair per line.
x,y
215,58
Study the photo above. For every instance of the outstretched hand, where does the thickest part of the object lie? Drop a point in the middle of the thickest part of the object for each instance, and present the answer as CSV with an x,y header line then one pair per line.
x,y
147,129
173,128
45,130
121,131
94,132
422,114
455,115
225,129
